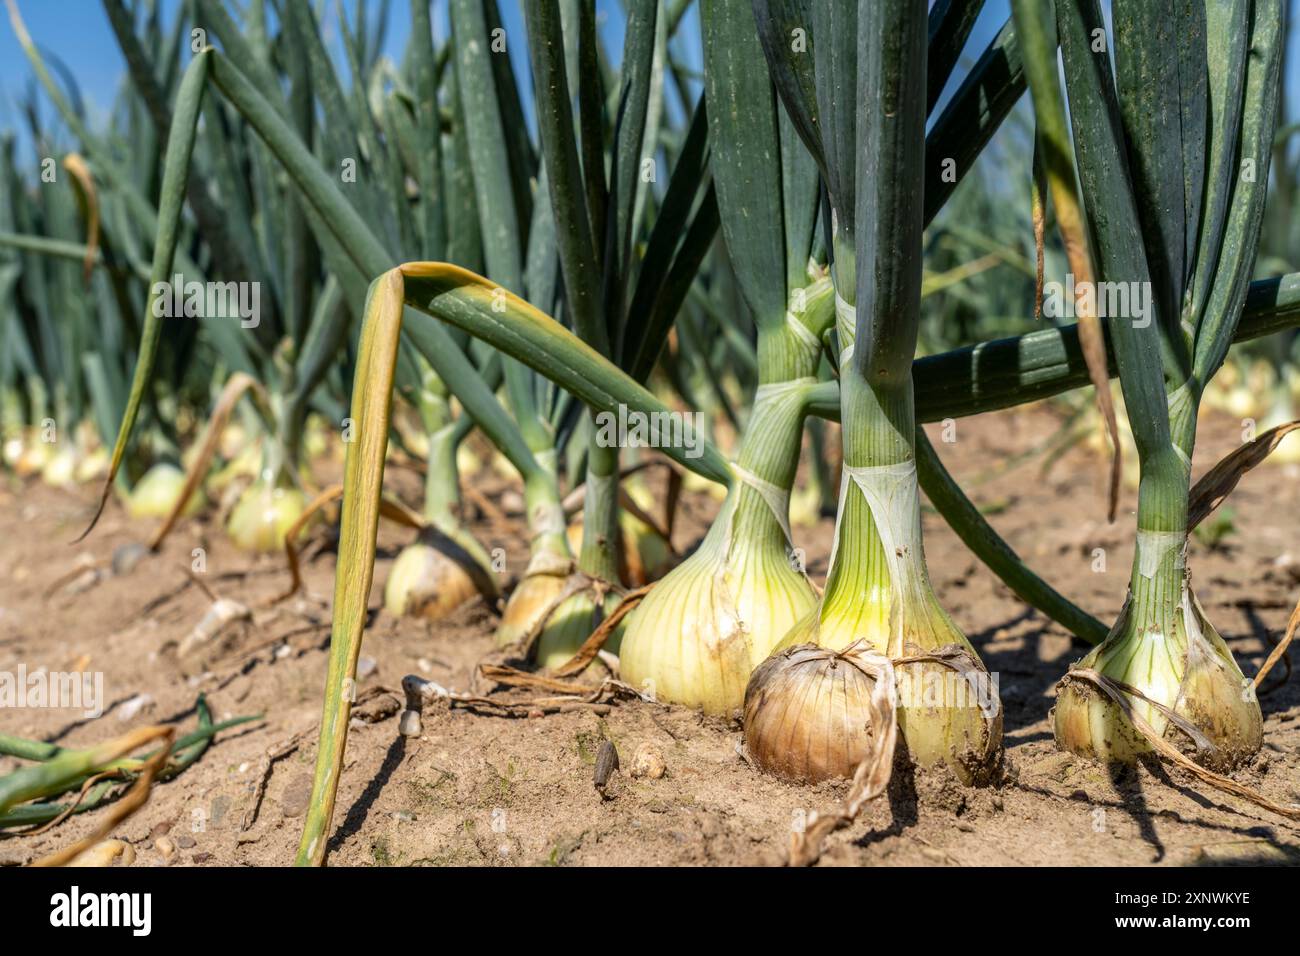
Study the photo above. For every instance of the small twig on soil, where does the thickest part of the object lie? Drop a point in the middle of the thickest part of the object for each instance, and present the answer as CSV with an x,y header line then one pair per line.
x,y
154,604
418,691
272,755
199,583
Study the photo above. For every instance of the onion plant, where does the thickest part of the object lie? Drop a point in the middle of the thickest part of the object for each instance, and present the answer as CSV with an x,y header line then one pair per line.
x,y
861,103
698,634
1172,150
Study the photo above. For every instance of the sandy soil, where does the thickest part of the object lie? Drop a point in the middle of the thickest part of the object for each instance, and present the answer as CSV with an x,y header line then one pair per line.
x,y
483,790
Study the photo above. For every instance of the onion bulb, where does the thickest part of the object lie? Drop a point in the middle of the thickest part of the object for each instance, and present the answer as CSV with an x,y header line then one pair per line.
x,y
568,628
1288,450
536,593
92,465
568,621
430,578
649,555
31,457
1163,647
154,495
711,620
264,514
832,730
60,469
878,593
246,463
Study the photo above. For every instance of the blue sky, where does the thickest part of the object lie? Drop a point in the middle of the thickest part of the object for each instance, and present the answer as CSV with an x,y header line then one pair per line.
x,y
77,32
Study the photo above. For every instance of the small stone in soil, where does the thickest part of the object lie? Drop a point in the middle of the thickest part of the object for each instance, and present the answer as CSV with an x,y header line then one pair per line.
x,y
648,762
127,556
160,829
296,796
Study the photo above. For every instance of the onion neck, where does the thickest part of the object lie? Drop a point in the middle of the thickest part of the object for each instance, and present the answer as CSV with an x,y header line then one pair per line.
x,y
757,512
1163,493
879,430
442,478
545,512
1148,645
600,508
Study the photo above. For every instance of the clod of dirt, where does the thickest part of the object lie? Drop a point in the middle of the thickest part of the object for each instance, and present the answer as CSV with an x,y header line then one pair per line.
x,y
648,762
160,829
376,708
296,796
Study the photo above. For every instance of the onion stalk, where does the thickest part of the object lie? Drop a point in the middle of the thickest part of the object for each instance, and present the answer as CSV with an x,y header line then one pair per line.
x,y
699,633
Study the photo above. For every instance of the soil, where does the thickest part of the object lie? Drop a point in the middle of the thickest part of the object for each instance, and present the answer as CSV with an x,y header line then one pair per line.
x,y
492,790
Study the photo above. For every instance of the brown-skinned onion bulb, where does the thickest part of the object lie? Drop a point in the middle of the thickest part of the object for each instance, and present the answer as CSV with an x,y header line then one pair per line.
x,y
947,709
831,732
430,578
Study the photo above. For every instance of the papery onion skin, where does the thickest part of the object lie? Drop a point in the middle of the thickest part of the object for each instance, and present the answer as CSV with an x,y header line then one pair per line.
x,y
828,734
427,582
532,597
939,711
